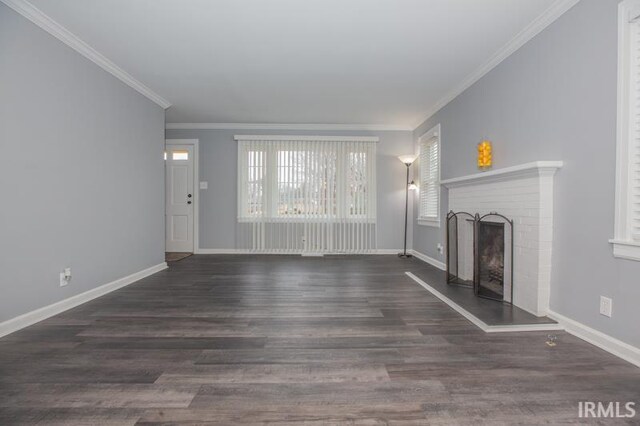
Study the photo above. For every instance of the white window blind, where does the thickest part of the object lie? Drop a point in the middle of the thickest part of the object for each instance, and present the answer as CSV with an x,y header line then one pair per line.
x,y
429,208
306,194
626,242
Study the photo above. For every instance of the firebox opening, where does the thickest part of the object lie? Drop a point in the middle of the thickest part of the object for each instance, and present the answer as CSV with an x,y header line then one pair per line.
x,y
491,260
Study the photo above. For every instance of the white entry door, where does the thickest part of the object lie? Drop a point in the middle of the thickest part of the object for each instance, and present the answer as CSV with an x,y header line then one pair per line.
x,y
179,183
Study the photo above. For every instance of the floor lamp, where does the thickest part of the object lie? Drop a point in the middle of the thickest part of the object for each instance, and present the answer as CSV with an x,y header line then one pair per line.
x,y
407,160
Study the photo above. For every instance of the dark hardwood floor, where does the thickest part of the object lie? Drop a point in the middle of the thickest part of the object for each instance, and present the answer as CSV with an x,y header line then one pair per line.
x,y
290,340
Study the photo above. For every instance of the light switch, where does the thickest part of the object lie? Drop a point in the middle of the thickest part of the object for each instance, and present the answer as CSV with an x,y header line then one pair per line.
x,y
606,306
204,185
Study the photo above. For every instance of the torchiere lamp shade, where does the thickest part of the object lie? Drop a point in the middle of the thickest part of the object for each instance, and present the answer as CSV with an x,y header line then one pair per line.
x,y
408,158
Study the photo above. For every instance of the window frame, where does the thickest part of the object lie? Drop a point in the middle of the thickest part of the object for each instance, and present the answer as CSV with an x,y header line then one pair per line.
x,y
624,246
434,132
271,183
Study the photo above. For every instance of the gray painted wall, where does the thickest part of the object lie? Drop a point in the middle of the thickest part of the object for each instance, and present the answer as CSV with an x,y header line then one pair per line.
x,y
218,166
555,99
81,172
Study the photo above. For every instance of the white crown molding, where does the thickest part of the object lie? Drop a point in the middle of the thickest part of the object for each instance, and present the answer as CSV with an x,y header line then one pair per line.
x,y
35,15
557,9
535,168
271,126
48,311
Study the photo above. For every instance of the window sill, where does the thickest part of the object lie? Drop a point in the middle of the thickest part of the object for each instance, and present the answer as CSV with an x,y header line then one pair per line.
x,y
624,249
429,222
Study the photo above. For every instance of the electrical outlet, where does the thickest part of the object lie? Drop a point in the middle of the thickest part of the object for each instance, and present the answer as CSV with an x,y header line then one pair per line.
x,y
440,248
606,306
65,277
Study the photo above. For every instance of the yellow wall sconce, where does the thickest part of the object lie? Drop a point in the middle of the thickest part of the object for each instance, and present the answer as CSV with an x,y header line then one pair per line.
x,y
485,159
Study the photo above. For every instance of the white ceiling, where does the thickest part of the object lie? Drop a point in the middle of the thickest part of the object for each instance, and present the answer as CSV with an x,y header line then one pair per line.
x,y
298,61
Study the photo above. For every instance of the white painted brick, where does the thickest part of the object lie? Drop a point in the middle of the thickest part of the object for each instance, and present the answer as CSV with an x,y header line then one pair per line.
x,y
529,203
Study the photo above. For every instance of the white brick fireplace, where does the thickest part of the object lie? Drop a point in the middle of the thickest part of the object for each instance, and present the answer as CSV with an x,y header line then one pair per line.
x,y
524,194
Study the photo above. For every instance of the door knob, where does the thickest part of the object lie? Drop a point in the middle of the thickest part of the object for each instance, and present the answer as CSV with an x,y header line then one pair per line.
x,y
188,202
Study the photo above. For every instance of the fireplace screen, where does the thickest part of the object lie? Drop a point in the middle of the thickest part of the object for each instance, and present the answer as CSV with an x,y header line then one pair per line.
x,y
460,248
480,254
493,277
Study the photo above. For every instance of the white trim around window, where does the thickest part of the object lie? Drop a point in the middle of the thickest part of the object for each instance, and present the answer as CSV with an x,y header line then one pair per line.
x,y
310,194
430,188
626,241
317,180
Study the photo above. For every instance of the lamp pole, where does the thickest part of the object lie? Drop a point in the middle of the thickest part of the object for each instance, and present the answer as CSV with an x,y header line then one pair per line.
x,y
406,213
407,160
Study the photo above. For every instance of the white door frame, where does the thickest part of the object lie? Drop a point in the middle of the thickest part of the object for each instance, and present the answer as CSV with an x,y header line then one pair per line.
x,y
196,186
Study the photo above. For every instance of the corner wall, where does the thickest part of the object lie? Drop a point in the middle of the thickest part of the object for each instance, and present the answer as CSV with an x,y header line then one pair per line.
x,y
555,99
81,172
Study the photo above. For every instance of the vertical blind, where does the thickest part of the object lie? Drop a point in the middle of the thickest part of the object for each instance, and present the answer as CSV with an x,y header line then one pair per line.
x,y
429,178
306,194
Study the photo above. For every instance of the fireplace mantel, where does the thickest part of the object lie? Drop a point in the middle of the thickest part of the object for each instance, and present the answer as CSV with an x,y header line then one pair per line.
x,y
535,168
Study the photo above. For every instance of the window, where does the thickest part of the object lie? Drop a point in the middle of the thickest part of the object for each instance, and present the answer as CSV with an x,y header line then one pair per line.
x,y
180,155
626,241
358,201
429,208
255,181
299,179
306,185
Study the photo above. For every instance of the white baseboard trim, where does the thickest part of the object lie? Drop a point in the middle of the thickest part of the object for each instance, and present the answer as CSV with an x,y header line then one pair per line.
x,y
477,321
430,260
248,251
597,338
389,251
220,251
610,344
30,318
